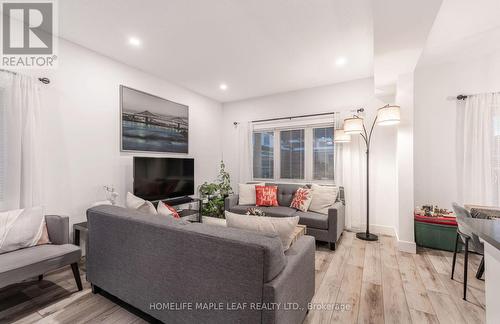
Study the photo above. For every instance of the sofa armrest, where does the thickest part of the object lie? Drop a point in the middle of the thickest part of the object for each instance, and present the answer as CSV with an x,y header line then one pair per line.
x,y
336,221
58,228
231,201
295,284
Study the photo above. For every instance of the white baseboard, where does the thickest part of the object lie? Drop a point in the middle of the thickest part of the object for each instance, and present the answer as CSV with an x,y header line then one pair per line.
x,y
375,229
406,246
403,246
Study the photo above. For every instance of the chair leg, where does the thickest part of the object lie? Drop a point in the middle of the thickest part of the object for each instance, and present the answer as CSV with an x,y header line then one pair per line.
x,y
40,277
480,270
454,257
466,261
76,274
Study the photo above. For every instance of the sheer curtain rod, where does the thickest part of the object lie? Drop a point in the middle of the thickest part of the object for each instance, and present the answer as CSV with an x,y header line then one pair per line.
x,y
463,97
292,117
42,80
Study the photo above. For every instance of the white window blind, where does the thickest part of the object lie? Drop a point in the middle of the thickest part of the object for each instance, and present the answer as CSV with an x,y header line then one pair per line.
x,y
323,153
295,149
263,155
292,154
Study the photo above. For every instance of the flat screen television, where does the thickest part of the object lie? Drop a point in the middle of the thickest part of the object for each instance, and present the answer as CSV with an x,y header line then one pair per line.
x,y
163,178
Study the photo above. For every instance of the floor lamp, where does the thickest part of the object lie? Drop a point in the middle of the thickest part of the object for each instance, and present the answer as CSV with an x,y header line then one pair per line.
x,y
386,116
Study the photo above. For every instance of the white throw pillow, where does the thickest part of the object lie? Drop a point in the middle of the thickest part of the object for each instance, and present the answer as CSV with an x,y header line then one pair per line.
x,y
283,226
323,198
139,204
247,193
22,228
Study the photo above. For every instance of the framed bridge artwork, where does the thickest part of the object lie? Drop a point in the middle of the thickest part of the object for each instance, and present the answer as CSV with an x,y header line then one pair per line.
x,y
152,124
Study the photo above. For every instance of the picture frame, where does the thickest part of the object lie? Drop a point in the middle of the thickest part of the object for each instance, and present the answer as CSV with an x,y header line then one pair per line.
x,y
151,124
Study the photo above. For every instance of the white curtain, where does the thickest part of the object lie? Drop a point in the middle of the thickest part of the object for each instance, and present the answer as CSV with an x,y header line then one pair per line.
x,y
21,179
350,172
478,149
245,154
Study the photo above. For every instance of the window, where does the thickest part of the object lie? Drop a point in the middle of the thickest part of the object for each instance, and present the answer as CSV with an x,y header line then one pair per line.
x,y
263,155
292,154
298,153
323,162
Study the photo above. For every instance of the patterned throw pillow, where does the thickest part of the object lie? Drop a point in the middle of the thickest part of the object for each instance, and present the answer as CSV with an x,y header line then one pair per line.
x,y
255,212
266,195
167,210
302,199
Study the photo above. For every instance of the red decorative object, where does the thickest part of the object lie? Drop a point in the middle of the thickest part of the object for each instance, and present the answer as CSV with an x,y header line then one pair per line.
x,y
266,195
450,221
302,199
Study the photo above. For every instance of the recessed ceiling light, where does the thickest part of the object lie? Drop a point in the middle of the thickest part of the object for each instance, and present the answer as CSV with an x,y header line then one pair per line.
x,y
223,86
134,41
341,61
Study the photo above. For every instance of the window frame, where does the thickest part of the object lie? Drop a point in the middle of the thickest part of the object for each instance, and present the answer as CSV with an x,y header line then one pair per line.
x,y
308,153
274,155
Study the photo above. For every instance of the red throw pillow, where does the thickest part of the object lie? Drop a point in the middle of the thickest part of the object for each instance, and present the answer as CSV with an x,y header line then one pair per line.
x,y
266,195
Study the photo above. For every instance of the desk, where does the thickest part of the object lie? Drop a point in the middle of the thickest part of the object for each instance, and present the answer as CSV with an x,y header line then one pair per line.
x,y
77,229
489,232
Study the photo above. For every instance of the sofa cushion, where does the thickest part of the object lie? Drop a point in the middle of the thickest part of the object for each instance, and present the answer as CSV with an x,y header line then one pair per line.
x,y
302,199
21,264
266,196
312,219
137,203
285,192
283,226
247,193
323,198
278,211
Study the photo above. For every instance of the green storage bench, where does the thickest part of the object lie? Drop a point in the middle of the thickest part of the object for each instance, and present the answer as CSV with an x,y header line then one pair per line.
x,y
435,232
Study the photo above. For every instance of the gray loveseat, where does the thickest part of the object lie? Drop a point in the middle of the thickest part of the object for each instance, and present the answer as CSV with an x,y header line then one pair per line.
x,y
327,228
23,264
181,272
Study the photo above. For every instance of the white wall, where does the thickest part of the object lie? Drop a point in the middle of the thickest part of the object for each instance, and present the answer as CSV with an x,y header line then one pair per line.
x,y
405,174
341,97
81,129
435,122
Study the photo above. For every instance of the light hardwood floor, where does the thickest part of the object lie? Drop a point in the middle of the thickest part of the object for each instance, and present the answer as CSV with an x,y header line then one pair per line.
x,y
372,280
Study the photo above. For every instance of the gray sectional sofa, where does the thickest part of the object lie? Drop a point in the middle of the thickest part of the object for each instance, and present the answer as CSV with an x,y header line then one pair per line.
x,y
181,272
23,264
327,228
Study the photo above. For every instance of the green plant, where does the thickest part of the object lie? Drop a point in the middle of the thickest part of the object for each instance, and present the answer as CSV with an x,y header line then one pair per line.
x,y
213,194
224,181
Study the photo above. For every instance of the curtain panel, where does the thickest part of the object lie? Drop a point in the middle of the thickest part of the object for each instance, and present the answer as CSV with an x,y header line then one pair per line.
x,y
21,166
478,149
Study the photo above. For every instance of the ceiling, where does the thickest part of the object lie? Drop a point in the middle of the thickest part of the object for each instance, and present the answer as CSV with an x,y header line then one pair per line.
x,y
256,47
401,28
463,29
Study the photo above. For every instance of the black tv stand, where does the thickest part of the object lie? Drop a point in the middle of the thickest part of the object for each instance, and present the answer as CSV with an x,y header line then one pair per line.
x,y
179,201
192,215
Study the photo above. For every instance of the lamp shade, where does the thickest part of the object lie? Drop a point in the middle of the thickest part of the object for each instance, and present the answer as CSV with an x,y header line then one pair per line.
x,y
353,125
388,115
341,137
